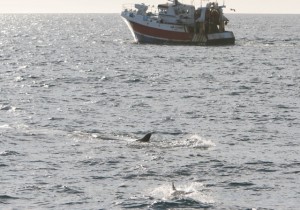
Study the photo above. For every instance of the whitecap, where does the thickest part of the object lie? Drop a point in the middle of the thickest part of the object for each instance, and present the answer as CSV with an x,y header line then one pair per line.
x,y
22,67
195,141
199,142
19,79
5,126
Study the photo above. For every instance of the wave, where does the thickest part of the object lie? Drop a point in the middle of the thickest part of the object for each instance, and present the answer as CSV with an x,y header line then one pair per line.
x,y
181,203
240,184
66,189
265,42
3,165
6,107
5,198
9,153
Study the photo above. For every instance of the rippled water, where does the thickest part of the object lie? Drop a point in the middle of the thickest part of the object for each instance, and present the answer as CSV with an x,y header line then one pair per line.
x,y
76,92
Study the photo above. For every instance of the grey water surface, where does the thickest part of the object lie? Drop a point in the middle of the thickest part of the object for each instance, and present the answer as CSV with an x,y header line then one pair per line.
x,y
76,91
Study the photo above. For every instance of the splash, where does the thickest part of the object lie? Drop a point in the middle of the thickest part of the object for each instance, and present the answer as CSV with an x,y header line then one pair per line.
x,y
192,191
81,135
195,141
198,142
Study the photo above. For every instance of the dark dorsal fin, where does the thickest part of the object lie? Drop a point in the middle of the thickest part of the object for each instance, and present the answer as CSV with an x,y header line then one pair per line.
x,y
173,187
146,138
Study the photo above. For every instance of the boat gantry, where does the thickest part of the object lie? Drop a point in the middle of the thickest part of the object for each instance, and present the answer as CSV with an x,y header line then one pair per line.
x,y
178,23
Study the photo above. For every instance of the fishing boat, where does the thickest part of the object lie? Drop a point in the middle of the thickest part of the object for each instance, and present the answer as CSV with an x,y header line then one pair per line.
x,y
178,23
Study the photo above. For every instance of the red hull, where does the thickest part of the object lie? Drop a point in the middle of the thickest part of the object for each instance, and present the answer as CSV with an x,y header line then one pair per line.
x,y
160,34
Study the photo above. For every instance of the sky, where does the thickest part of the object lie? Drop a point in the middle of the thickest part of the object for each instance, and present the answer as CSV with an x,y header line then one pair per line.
x,y
115,6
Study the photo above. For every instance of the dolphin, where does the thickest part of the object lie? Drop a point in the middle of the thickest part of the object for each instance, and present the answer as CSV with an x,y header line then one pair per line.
x,y
145,139
178,192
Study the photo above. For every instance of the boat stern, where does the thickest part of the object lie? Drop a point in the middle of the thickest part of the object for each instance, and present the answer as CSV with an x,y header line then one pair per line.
x,y
224,38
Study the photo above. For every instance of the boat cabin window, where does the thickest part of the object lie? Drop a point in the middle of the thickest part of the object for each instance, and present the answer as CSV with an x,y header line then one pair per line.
x,y
162,10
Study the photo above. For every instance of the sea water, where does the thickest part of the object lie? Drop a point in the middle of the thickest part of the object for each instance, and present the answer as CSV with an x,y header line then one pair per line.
x,y
76,91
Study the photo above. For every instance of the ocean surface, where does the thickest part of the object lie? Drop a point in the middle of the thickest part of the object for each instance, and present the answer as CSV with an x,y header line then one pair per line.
x,y
76,92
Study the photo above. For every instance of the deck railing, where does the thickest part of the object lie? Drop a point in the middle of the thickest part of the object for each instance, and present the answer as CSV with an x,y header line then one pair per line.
x,y
131,8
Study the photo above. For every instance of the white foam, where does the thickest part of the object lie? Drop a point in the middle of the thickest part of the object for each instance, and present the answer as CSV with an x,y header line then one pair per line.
x,y
198,142
81,135
5,126
19,79
192,190
195,141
